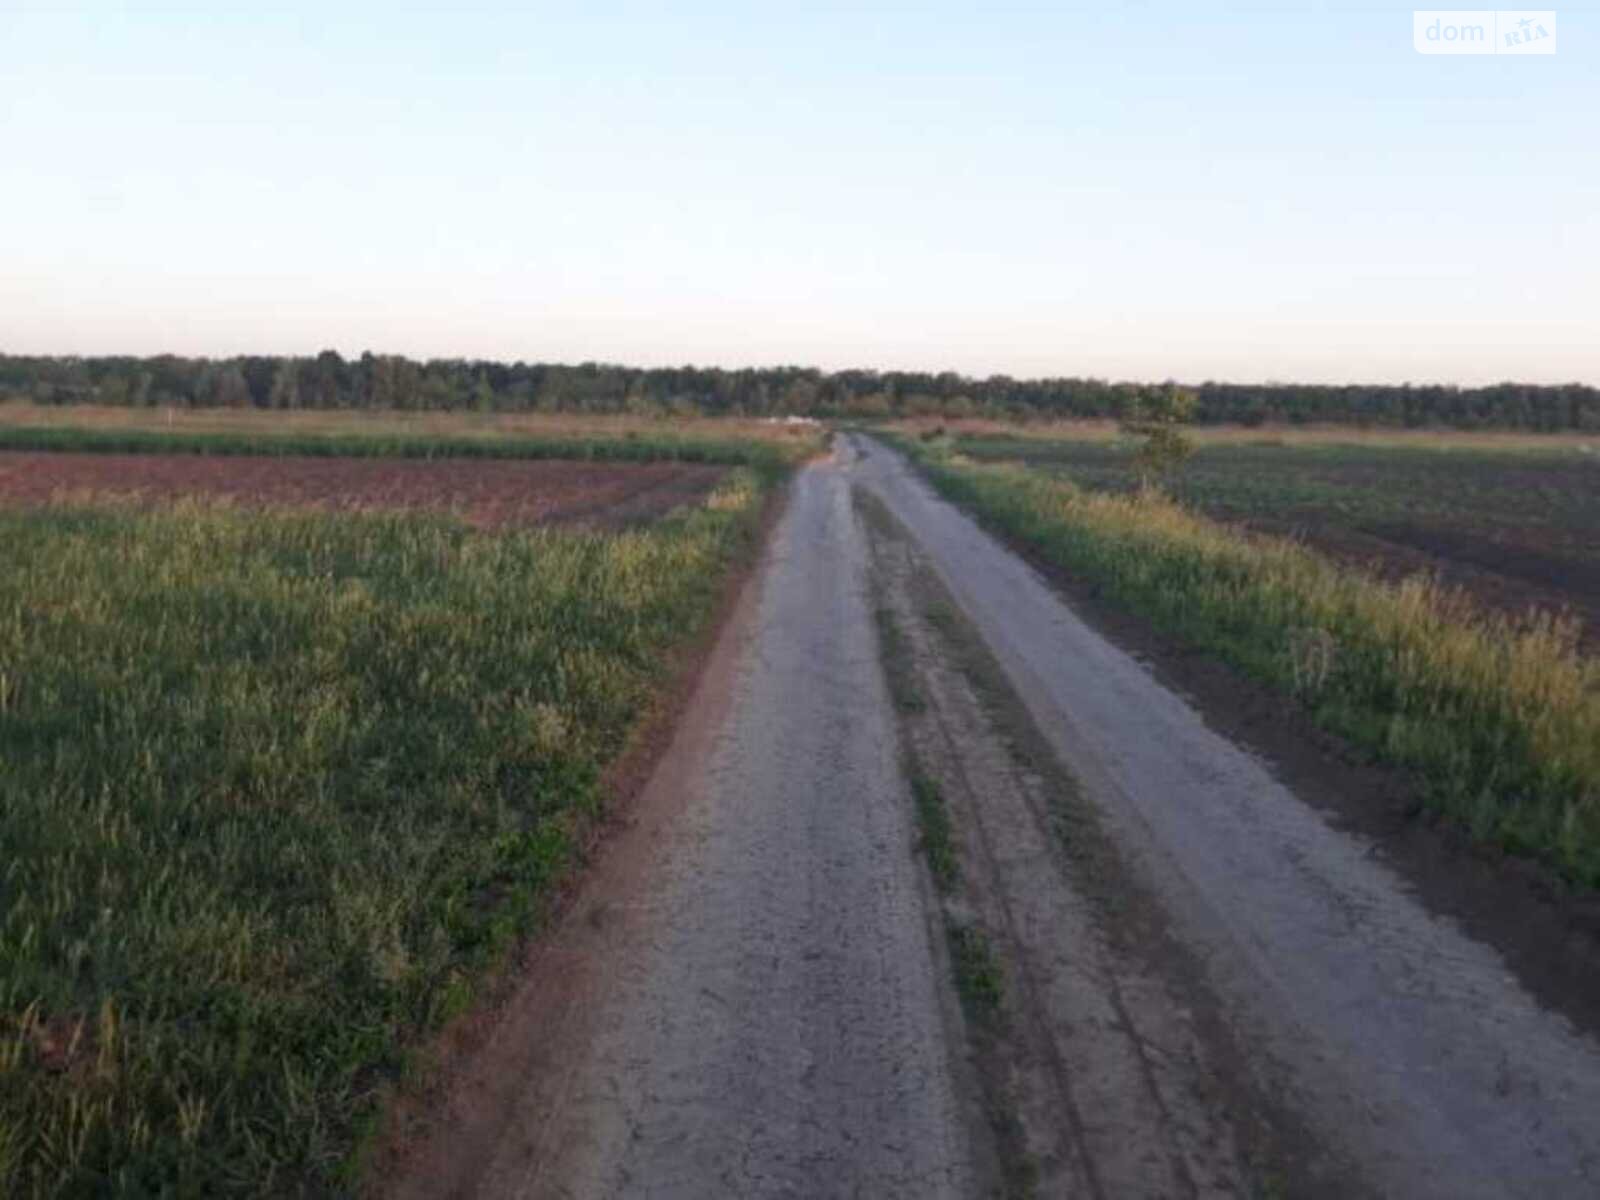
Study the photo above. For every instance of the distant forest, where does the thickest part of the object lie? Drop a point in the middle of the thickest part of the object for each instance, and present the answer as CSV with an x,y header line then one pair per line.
x,y
382,381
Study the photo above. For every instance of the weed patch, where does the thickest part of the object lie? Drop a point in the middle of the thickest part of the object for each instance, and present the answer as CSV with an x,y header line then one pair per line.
x,y
977,971
933,825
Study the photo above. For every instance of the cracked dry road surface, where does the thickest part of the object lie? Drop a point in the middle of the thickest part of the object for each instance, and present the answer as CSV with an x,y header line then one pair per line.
x,y
751,994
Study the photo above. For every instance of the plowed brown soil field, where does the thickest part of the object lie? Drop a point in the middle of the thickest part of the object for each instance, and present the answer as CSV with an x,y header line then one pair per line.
x,y
484,492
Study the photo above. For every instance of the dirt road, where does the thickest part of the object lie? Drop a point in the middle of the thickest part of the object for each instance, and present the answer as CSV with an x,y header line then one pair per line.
x,y
1203,988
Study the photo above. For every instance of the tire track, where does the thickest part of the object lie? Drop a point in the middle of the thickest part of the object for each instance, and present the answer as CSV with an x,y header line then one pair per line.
x,y
1076,1056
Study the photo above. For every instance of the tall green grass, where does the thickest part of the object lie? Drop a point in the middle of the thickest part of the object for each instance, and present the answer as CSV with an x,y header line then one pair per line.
x,y
1500,718
275,789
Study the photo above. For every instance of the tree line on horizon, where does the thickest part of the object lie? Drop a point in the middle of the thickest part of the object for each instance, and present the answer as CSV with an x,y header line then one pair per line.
x,y
393,382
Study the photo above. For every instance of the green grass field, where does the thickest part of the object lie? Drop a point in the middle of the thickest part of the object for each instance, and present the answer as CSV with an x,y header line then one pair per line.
x,y
277,789
1499,717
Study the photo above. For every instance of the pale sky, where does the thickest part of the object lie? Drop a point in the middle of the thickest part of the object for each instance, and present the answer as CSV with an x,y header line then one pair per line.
x,y
1143,191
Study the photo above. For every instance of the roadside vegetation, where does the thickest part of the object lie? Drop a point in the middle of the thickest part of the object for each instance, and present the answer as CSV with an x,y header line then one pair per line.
x,y
1498,715
278,789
